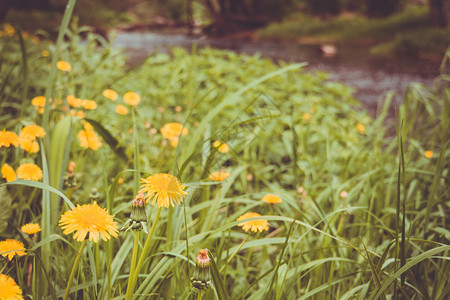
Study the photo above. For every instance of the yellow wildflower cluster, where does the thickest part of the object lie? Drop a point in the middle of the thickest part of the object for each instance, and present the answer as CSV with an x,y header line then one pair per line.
x,y
88,138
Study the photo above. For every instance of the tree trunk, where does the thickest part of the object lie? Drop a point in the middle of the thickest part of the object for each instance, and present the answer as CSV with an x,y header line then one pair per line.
x,y
440,12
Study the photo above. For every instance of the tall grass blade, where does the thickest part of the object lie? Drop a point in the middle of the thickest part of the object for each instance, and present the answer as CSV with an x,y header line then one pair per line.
x,y
219,284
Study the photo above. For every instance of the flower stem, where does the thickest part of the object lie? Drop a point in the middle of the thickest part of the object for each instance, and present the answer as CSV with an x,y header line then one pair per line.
x,y
133,265
74,269
143,255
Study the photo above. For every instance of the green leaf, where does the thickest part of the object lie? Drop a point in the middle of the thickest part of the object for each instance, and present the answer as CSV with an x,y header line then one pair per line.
x,y
109,139
219,284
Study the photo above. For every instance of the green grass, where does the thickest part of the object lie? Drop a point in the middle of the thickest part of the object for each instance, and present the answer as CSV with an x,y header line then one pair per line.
x,y
291,132
407,32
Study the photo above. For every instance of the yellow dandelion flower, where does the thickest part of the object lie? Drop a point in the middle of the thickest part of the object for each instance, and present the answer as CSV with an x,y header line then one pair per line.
x,y
8,173
88,219
29,145
178,108
31,228
12,248
428,154
121,109
89,104
29,171
131,98
63,66
174,142
306,116
221,147
255,225
38,102
80,114
9,290
173,130
73,101
45,53
361,128
31,132
110,94
219,176
88,138
272,199
8,138
165,189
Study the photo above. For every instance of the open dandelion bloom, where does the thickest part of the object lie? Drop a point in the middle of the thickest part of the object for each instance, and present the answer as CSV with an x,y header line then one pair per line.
x,y
306,116
73,101
219,176
89,104
173,130
88,138
8,173
29,145
38,102
110,94
9,290
45,53
221,147
272,199
31,228
31,132
428,154
8,138
88,219
361,128
255,225
9,29
63,66
121,109
131,98
12,247
29,171
165,189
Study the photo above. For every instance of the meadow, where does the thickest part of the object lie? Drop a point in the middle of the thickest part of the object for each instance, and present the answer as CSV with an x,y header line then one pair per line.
x,y
205,174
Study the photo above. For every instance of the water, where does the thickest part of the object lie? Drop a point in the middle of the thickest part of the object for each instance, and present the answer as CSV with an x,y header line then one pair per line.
x,y
371,78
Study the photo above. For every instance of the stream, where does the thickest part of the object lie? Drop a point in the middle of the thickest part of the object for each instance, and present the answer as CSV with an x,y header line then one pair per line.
x,y
370,77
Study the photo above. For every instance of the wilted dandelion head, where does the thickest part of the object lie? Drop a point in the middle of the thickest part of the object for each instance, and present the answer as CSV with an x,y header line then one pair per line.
x,y
9,290
31,228
89,219
29,171
32,132
428,154
343,194
110,94
8,172
9,29
165,189
255,225
173,130
272,199
221,147
8,138
63,66
12,248
131,98
121,109
219,176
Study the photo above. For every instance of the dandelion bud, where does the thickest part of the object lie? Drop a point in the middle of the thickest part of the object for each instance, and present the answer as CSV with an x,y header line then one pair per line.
x,y
138,216
201,278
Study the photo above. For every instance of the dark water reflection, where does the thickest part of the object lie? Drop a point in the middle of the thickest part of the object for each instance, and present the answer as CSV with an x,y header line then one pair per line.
x,y
371,78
